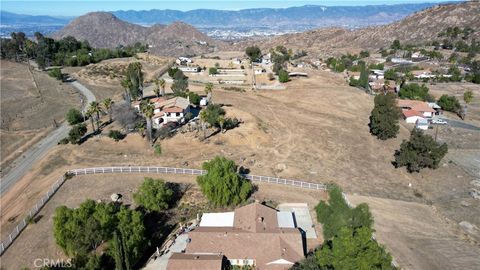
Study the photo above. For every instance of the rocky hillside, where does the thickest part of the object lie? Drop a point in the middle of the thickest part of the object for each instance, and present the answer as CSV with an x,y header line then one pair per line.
x,y
104,30
417,28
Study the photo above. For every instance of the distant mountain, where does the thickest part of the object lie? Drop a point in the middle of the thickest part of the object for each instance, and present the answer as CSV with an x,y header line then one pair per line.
x,y
304,17
11,22
419,27
8,18
104,30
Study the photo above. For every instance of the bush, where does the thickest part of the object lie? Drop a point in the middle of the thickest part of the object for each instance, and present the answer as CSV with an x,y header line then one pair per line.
x,y
213,112
74,116
76,133
413,91
283,76
153,195
56,73
212,71
449,103
421,151
337,214
384,117
157,149
116,135
63,141
222,185
254,53
194,98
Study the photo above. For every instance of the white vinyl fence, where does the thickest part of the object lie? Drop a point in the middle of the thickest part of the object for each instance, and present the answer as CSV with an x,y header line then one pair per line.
x,y
168,170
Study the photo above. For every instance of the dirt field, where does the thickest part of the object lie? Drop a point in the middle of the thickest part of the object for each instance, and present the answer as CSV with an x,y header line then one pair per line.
x,y
28,113
316,130
37,240
418,237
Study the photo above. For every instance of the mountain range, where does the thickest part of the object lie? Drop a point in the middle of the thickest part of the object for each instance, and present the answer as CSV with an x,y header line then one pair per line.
x,y
104,30
419,27
303,17
272,20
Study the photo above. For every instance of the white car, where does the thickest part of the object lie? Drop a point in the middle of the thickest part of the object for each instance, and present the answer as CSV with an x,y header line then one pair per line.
x,y
439,122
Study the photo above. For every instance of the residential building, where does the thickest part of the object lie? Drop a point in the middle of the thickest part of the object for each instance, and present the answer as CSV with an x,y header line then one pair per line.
x,y
416,105
254,235
171,110
182,261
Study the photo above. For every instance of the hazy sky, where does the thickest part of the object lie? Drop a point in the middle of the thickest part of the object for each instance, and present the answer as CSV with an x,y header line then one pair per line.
x,y
75,8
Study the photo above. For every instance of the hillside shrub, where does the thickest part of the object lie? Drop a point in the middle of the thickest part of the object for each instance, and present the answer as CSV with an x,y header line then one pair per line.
x,y
414,91
419,152
116,135
76,133
153,195
74,117
56,73
449,103
283,76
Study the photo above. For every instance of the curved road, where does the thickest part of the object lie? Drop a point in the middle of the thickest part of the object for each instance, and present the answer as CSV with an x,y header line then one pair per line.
x,y
24,163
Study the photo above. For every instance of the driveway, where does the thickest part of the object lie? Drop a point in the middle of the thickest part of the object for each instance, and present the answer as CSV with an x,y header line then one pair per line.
x,y
161,262
24,163
303,218
461,124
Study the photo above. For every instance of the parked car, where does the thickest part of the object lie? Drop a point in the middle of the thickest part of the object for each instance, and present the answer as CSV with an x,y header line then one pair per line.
x,y
439,122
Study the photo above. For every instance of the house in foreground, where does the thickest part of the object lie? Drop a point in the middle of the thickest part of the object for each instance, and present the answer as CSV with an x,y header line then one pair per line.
x,y
254,235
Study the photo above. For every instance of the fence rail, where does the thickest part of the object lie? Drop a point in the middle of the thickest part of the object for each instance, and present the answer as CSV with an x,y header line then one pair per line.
x,y
138,169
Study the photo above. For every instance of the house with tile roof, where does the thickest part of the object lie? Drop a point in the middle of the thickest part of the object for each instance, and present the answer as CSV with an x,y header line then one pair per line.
x,y
170,110
258,236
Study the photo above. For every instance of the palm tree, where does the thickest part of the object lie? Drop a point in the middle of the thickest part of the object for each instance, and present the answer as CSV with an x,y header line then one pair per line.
x,y
203,122
107,104
468,98
127,85
95,109
156,90
147,109
221,122
209,91
162,83
89,114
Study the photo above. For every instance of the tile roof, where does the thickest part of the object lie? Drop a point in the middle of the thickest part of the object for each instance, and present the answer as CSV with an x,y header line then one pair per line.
x,y
183,261
416,105
255,235
411,113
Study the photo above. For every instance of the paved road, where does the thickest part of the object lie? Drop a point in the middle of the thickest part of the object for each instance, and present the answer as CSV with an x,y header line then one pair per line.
x,y
458,124
24,163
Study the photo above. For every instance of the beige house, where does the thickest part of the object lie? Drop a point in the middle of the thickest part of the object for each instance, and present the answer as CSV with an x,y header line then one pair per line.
x,y
254,235
171,110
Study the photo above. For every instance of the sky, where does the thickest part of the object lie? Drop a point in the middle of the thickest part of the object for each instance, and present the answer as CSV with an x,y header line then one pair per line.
x,y
76,8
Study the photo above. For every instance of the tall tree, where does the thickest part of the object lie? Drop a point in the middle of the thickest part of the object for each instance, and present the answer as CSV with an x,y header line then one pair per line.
x,y
384,117
162,84
95,109
468,98
222,185
107,104
148,109
135,75
209,91
89,113
127,85
156,90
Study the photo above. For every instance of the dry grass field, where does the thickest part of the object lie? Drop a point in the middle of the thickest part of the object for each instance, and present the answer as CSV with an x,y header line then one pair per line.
x,y
27,112
37,240
316,130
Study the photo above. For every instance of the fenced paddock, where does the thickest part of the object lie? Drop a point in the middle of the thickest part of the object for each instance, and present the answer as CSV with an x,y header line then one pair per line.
x,y
138,169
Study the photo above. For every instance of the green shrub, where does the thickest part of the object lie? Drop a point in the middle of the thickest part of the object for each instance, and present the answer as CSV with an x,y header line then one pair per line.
x,y
157,149
194,98
116,135
63,141
421,151
153,195
413,91
283,76
56,73
212,71
74,116
76,133
449,103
